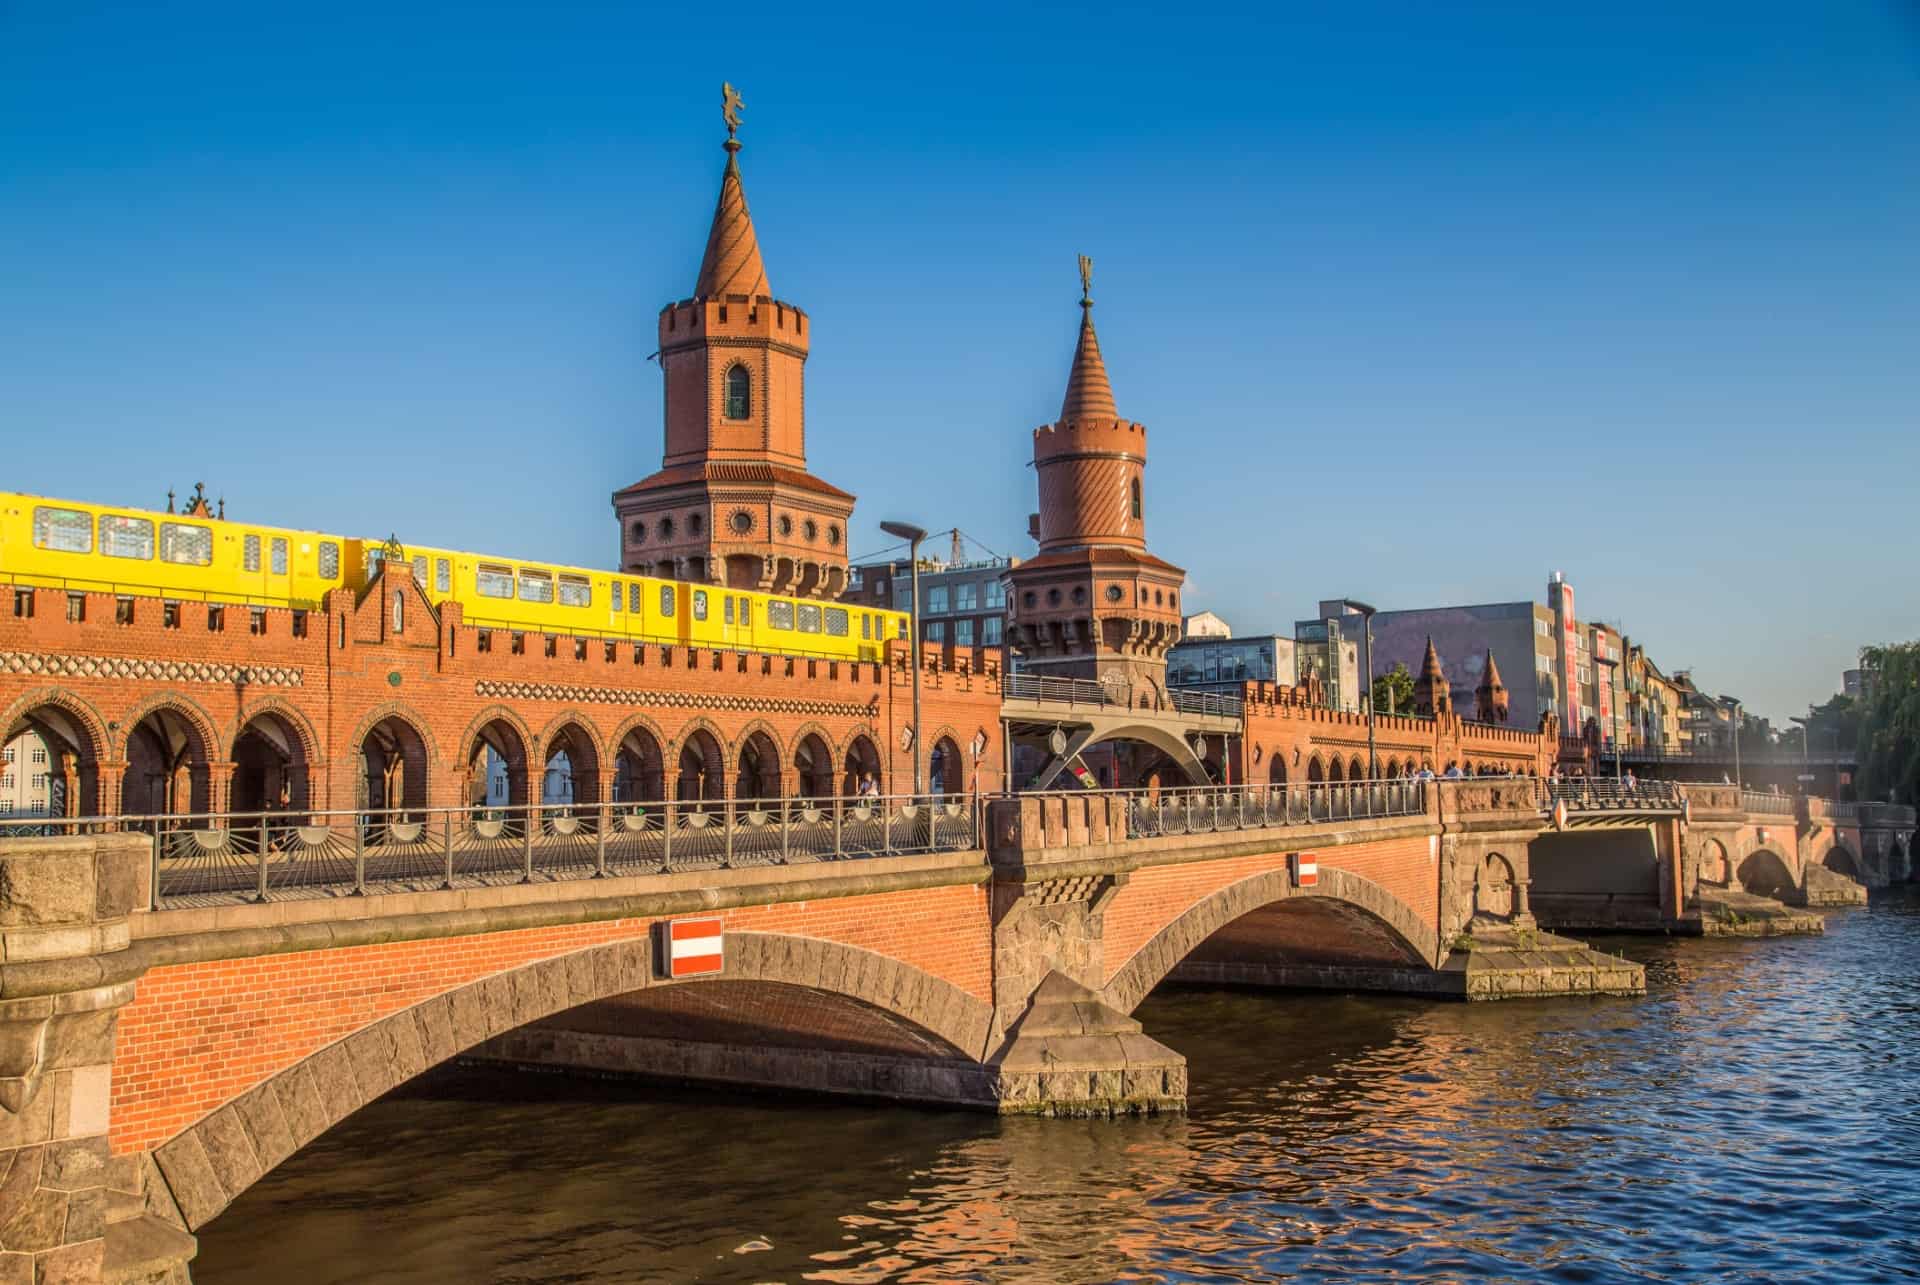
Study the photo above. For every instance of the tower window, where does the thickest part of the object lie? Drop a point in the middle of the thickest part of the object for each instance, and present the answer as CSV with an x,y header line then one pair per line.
x,y
638,533
1136,498
739,393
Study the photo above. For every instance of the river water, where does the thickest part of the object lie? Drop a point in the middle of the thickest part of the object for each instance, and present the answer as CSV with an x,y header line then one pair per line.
x,y
1756,1117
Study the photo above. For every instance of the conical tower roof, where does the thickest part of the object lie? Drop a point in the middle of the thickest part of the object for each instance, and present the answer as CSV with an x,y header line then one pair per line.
x,y
1089,395
1430,665
1490,677
732,263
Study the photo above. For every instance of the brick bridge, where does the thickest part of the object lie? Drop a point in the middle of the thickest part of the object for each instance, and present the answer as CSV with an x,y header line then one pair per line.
x,y
162,1046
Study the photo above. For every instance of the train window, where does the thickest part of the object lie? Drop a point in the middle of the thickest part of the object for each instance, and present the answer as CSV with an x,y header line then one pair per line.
x,y
277,552
666,600
809,618
420,570
125,537
746,612
726,606
836,622
633,597
866,625
493,582
329,560
188,545
536,585
250,552
442,576
616,595
63,530
699,604
575,591
901,625
779,614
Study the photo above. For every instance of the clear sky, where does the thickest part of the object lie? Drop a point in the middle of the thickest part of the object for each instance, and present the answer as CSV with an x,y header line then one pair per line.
x,y
1418,301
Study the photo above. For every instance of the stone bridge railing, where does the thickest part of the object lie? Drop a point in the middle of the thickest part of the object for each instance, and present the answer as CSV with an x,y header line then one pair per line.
x,y
1077,818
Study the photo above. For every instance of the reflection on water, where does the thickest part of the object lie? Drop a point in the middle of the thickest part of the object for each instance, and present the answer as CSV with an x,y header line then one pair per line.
x,y
1752,1118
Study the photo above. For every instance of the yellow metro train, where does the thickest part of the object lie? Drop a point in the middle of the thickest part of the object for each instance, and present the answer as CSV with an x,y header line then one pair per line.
x,y
66,544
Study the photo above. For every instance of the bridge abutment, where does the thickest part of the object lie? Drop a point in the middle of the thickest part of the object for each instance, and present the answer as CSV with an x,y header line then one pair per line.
x,y
70,1210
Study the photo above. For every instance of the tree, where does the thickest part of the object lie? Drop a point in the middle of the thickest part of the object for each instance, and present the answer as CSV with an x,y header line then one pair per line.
x,y
1393,691
1889,743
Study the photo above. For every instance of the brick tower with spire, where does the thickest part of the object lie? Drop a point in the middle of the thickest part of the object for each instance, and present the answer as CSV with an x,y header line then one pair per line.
x,y
1490,697
733,503
1431,695
1093,603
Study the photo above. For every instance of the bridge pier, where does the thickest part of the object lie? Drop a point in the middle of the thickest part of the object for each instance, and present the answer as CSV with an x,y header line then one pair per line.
x,y
70,1210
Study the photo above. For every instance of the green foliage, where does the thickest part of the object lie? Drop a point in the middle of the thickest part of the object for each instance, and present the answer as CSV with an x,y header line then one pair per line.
x,y
1889,737
1393,691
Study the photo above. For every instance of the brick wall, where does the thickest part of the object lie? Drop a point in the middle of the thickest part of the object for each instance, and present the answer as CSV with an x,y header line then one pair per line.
x,y
1158,895
198,1035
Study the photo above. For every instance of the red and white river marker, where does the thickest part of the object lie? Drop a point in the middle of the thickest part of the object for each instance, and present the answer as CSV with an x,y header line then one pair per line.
x,y
690,947
1306,871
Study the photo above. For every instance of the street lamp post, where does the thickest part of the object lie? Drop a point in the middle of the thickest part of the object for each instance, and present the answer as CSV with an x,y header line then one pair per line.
x,y
1739,779
913,535
1366,612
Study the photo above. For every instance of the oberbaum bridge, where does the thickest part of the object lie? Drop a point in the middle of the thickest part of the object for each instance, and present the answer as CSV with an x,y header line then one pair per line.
x,y
187,999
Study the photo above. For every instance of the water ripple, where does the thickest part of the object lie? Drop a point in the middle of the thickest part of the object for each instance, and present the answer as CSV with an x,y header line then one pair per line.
x,y
1755,1118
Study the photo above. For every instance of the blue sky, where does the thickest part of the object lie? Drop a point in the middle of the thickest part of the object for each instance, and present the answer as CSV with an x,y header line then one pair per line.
x,y
1419,302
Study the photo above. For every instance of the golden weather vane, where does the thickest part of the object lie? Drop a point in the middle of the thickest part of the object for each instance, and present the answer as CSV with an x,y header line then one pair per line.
x,y
1086,279
730,106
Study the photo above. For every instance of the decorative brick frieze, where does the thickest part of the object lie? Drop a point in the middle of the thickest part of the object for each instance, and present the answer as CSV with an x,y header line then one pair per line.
x,y
156,670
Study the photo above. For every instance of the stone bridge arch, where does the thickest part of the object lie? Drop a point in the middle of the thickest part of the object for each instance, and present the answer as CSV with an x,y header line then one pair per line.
x,y
1766,873
1841,860
1341,900
207,1165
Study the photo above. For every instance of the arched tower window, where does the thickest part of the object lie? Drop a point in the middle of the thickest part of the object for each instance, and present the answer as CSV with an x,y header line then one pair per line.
x,y
739,393
1136,498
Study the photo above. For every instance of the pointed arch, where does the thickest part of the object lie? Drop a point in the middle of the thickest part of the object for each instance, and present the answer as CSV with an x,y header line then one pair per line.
x,y
76,739
168,744
573,735
638,753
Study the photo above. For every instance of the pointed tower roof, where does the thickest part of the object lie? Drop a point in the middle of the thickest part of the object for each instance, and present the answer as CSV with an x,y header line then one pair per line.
x,y
1430,664
1089,395
732,263
1490,676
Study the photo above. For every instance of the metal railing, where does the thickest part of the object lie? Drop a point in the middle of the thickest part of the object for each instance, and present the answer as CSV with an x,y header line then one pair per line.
x,y
1606,794
1086,691
229,858
1215,808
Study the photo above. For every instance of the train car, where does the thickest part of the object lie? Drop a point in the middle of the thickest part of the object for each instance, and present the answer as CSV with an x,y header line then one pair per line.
x,y
67,544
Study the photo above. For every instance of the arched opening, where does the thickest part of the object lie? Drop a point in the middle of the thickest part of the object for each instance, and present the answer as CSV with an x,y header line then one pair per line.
x,y
270,772
1292,942
71,766
758,775
1842,862
1765,875
572,769
639,774
1336,773
497,767
1713,863
1135,496
1357,769
394,761
739,392
1493,889
167,767
1315,773
862,764
701,772
1277,768
813,767
944,775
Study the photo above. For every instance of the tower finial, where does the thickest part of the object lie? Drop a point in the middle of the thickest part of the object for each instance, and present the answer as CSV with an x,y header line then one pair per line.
x,y
1086,281
730,106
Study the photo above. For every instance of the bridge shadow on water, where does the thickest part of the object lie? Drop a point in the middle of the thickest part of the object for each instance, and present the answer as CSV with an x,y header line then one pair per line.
x,y
1748,1120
